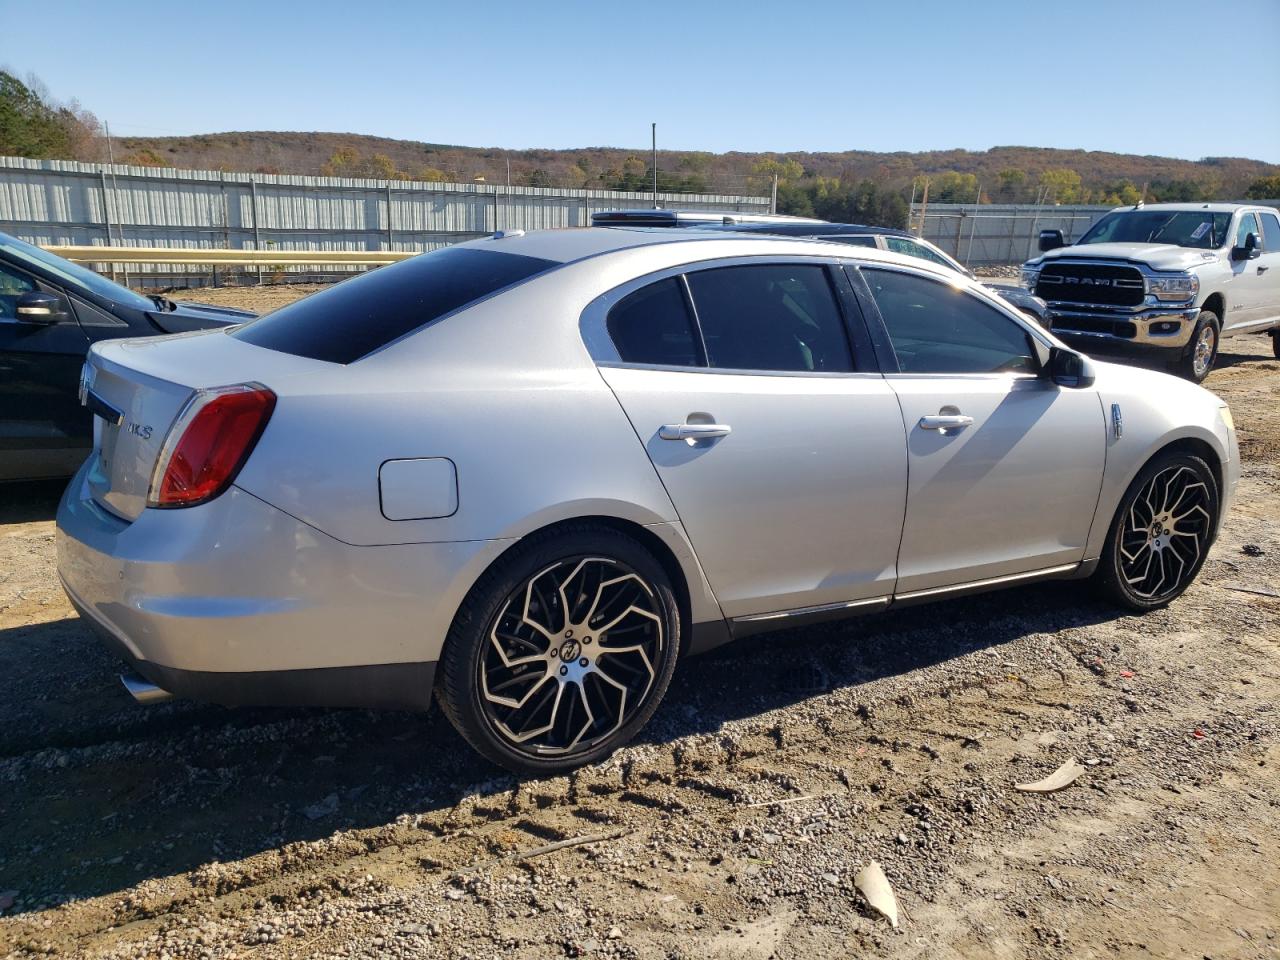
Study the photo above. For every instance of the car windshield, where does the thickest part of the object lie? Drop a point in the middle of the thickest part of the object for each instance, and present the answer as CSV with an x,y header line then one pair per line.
x,y
71,273
1185,228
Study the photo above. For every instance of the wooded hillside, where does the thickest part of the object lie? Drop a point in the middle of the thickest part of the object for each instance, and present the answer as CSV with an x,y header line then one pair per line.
x,y
852,185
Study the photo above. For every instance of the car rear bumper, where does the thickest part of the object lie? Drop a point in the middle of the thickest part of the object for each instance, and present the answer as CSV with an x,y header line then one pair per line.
x,y
237,602
390,686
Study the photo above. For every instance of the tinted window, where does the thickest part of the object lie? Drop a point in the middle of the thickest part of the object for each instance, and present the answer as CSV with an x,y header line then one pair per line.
x,y
354,318
1247,226
771,317
13,284
72,273
652,325
853,241
913,249
1271,232
91,316
936,328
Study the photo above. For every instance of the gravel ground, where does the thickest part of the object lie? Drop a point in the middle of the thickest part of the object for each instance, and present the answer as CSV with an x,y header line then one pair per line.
x,y
775,770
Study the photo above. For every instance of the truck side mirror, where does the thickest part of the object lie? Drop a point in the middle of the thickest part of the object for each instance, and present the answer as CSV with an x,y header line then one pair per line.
x,y
1249,251
1051,240
39,307
1067,368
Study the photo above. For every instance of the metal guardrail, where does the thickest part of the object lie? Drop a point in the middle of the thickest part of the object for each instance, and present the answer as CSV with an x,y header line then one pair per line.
x,y
249,258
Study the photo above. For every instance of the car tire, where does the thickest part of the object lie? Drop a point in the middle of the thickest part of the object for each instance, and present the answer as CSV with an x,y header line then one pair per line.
x,y
541,692
1161,533
1200,354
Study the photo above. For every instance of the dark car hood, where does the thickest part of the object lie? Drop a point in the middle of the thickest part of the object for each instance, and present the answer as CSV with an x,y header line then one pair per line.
x,y
197,316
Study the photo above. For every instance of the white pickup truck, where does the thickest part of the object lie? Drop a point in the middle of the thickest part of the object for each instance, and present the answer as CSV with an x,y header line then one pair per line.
x,y
1165,280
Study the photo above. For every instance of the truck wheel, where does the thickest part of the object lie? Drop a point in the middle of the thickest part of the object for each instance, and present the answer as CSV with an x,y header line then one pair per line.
x,y
1202,351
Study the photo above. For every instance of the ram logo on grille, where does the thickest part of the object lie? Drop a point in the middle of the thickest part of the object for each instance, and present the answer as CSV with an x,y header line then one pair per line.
x,y
1103,284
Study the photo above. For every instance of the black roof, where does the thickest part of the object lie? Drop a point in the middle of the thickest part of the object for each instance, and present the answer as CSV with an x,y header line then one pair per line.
x,y
813,229
663,217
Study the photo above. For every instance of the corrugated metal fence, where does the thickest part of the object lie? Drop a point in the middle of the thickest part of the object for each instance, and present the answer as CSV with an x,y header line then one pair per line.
x,y
64,202
992,234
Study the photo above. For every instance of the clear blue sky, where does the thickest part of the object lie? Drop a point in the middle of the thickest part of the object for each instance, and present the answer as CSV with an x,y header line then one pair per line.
x,y
746,75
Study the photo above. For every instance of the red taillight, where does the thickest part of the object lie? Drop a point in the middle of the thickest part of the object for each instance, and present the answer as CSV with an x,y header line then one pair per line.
x,y
209,443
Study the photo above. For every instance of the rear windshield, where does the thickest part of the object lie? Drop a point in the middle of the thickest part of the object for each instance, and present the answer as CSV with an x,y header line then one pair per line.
x,y
351,320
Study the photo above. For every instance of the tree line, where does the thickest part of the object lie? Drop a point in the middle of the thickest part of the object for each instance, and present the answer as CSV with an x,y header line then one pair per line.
x,y
851,186
33,124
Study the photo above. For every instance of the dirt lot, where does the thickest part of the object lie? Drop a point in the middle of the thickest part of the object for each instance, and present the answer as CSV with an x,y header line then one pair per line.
x,y
773,772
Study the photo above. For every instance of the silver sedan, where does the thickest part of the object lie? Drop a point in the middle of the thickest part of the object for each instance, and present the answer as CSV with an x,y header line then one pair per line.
x,y
527,474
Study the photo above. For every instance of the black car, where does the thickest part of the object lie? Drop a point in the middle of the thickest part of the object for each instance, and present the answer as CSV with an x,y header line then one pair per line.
x,y
51,310
660,217
898,241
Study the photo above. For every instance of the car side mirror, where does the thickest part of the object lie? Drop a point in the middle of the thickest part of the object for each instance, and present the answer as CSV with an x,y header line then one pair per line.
x,y
1051,240
1067,368
39,307
1249,251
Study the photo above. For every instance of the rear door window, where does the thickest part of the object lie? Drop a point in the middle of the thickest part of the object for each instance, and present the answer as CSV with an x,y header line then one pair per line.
x,y
778,316
354,318
653,326
913,249
860,241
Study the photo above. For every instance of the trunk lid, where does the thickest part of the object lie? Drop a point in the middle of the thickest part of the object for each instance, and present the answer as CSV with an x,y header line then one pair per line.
x,y
137,389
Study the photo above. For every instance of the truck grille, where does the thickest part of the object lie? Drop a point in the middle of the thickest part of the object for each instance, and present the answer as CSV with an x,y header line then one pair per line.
x,y
1093,283
1115,328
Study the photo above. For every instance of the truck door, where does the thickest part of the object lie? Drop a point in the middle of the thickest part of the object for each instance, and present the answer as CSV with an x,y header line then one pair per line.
x,y
1267,269
1246,307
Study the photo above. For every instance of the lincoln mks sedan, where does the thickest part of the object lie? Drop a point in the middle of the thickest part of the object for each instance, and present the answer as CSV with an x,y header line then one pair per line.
x,y
526,475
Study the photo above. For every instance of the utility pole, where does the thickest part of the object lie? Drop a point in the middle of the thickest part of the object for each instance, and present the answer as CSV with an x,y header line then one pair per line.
x,y
924,209
115,194
654,132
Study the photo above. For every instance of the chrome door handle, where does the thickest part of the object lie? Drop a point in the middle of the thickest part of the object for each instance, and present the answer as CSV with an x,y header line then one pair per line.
x,y
946,422
694,431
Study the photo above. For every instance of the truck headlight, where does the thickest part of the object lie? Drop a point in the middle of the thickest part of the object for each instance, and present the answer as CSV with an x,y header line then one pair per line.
x,y
1174,288
1029,277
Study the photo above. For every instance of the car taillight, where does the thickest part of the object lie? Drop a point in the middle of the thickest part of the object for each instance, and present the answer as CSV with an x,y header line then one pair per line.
x,y
209,443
